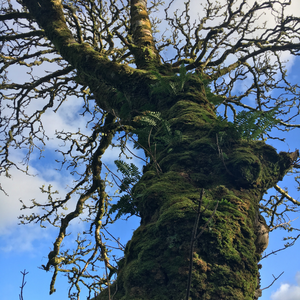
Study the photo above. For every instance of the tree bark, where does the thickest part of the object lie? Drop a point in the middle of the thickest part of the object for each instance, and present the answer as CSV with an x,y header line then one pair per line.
x,y
145,53
232,171
209,156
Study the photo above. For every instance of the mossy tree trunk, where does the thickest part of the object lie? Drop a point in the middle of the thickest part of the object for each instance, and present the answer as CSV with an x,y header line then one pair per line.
x,y
209,156
234,172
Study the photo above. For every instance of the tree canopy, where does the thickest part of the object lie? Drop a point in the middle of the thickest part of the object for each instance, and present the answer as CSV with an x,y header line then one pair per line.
x,y
152,74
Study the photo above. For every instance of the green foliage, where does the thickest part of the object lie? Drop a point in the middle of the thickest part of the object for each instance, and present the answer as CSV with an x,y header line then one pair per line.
x,y
166,136
211,97
124,101
248,125
168,85
126,204
171,84
150,119
130,172
173,240
252,124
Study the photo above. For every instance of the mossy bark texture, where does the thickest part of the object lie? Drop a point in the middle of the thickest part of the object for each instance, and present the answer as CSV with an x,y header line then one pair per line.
x,y
209,156
232,171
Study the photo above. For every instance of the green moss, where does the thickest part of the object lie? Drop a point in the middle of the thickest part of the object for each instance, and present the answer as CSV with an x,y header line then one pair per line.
x,y
245,166
225,259
190,115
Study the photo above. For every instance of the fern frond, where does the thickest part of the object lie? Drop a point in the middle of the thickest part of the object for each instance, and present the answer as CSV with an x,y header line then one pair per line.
x,y
126,204
130,172
252,124
171,84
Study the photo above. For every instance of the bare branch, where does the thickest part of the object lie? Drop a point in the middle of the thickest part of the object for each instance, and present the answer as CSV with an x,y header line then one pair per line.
x,y
24,273
22,35
285,194
275,278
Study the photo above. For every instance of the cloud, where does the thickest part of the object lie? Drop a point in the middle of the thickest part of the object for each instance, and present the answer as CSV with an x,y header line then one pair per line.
x,y
19,186
23,238
288,291
197,12
24,187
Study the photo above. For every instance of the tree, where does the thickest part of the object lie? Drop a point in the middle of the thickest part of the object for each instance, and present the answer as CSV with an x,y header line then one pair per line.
x,y
200,197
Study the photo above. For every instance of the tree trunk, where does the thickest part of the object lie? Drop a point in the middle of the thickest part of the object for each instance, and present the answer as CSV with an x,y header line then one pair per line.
x,y
209,157
232,171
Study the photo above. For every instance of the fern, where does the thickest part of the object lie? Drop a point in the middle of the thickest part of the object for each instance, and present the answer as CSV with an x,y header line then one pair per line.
x,y
225,202
211,97
171,84
130,172
183,77
251,125
126,204
147,122
151,120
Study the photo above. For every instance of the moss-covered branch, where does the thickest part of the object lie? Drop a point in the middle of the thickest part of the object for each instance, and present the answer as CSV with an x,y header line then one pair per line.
x,y
83,57
146,55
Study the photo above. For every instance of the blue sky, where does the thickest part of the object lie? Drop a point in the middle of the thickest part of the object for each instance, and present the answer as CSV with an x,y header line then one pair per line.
x,y
27,247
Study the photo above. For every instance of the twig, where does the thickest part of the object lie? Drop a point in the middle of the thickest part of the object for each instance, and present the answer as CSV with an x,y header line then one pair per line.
x,y
206,224
1,189
282,224
115,291
274,252
24,273
275,278
72,11
136,155
108,279
194,233
157,166
121,247
115,175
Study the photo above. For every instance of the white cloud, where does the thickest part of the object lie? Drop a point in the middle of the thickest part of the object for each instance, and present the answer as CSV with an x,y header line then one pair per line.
x,y
19,186
266,16
65,118
288,291
24,187
23,238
